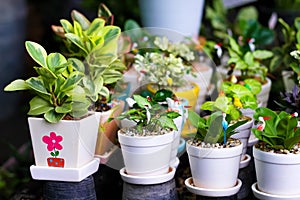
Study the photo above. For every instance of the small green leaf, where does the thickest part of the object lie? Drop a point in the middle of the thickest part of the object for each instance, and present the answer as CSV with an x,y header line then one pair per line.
x,y
18,84
55,60
39,106
80,19
65,108
74,78
37,52
52,117
77,41
37,85
68,27
141,101
166,122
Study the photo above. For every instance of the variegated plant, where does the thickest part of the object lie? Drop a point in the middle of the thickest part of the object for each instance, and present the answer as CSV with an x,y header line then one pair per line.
x,y
96,44
56,88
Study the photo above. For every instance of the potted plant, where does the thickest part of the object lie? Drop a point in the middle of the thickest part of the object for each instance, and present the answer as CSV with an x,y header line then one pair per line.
x,y
233,100
96,44
249,65
276,156
60,108
146,146
165,66
282,60
214,157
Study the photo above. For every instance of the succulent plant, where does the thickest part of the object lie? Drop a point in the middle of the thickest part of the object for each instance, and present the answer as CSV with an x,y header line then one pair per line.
x,y
57,91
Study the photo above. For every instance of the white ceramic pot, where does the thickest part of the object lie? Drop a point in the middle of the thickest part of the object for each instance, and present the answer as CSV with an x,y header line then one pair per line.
x,y
243,134
146,155
277,174
183,16
75,140
214,168
263,96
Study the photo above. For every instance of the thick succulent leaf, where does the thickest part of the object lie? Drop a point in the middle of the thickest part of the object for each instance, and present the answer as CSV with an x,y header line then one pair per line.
x,y
17,84
47,75
68,27
98,84
77,94
80,19
36,52
55,60
77,41
95,27
65,108
37,85
53,117
39,106
104,92
74,78
77,64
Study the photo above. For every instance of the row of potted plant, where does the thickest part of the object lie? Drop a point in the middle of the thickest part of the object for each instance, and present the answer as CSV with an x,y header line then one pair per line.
x,y
69,88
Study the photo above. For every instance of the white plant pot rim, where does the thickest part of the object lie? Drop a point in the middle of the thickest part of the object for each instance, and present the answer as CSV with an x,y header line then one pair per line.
x,y
192,150
144,141
275,157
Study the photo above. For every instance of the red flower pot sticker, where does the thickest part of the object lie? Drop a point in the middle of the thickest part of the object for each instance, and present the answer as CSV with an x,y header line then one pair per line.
x,y
53,146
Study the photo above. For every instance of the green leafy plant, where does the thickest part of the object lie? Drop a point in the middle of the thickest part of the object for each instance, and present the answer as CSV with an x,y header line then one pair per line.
x,y
290,41
280,131
167,64
249,64
295,65
96,44
233,97
149,114
57,92
245,26
210,129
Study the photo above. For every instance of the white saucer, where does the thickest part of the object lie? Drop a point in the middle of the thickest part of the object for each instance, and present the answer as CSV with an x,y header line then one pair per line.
x,y
252,140
212,192
64,174
245,162
176,163
147,180
266,196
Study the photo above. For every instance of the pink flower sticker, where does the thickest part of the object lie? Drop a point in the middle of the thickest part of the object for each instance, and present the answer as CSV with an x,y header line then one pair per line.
x,y
53,141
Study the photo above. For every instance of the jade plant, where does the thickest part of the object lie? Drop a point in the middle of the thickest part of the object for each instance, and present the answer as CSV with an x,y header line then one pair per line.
x,y
234,97
276,130
149,114
96,45
211,129
167,64
58,94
